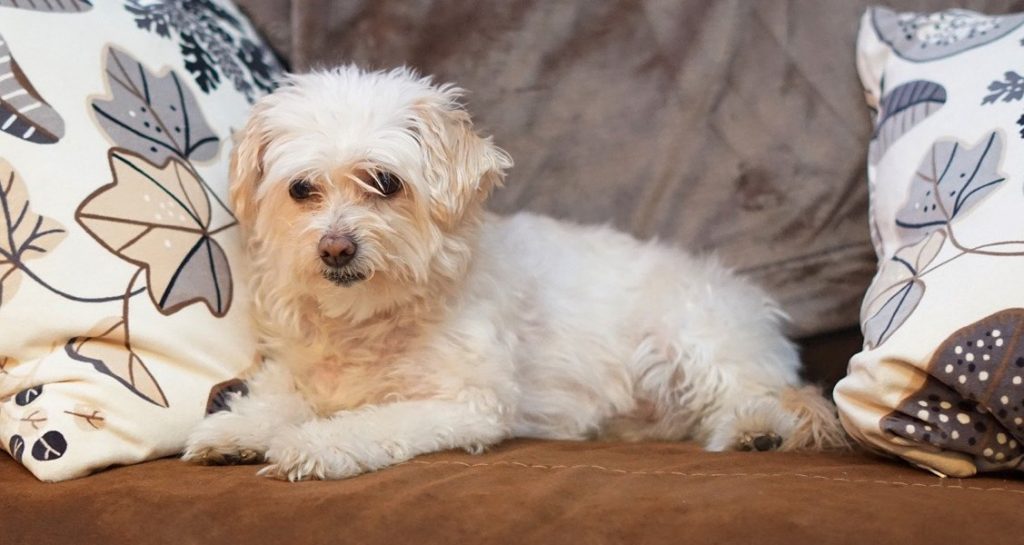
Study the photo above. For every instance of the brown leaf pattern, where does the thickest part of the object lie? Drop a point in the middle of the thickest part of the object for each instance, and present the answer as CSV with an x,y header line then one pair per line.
x,y
107,347
162,219
24,235
6,364
88,418
23,112
32,421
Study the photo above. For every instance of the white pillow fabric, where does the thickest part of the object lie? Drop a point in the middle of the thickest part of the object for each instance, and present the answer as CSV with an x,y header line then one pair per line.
x,y
122,320
941,379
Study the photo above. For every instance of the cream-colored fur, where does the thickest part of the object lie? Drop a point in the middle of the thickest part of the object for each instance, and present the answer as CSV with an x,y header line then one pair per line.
x,y
456,328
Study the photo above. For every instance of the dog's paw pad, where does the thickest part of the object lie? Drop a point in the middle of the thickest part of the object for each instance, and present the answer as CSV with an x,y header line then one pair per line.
x,y
215,457
760,442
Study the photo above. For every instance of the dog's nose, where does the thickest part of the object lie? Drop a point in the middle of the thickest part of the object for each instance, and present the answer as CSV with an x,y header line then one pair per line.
x,y
336,250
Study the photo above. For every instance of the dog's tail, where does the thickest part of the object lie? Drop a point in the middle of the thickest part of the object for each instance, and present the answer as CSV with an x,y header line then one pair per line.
x,y
817,423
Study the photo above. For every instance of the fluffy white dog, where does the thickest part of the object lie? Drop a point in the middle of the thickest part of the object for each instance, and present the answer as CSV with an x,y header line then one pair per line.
x,y
398,318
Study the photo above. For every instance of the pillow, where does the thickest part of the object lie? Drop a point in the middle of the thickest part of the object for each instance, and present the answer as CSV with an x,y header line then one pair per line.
x,y
940,381
121,320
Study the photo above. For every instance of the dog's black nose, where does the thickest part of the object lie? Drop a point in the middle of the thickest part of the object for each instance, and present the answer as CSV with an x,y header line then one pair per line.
x,y
336,250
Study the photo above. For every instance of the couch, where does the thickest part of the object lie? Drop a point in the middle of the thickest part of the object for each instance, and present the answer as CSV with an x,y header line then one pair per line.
x,y
730,125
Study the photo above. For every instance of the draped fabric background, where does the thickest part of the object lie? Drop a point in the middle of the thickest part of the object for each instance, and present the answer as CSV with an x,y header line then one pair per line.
x,y
729,125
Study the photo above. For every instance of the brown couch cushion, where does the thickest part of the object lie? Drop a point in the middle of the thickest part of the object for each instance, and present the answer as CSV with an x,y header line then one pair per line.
x,y
524,492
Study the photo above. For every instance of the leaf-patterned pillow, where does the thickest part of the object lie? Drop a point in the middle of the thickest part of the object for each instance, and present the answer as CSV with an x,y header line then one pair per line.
x,y
940,381
120,310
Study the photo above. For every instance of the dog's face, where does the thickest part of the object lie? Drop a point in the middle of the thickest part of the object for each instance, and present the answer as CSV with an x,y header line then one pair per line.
x,y
353,185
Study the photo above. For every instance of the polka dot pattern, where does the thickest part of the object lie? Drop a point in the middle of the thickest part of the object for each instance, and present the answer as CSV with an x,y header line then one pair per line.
x,y
974,400
984,362
938,416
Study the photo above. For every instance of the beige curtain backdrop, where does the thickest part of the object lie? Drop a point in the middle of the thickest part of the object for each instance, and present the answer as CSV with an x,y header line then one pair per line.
x,y
734,126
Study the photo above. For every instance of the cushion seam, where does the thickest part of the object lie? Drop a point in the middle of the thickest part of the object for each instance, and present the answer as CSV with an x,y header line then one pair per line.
x,y
556,467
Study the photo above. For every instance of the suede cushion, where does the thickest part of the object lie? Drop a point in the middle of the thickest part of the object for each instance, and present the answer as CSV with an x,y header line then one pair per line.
x,y
525,492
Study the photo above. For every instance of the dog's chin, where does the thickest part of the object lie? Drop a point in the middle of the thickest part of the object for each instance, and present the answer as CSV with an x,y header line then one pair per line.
x,y
342,277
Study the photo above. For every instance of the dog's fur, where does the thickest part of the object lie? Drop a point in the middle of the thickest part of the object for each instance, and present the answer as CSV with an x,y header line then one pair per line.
x,y
456,328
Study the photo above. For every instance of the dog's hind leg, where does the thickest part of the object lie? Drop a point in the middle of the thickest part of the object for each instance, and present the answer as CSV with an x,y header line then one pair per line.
x,y
796,418
817,424
730,391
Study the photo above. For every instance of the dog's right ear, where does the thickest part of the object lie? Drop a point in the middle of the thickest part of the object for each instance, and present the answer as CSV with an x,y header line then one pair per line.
x,y
247,165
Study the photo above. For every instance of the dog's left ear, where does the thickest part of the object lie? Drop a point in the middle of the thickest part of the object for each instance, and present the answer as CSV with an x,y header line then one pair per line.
x,y
464,165
246,170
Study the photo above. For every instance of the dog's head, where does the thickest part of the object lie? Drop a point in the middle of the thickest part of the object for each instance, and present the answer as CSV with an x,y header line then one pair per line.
x,y
355,185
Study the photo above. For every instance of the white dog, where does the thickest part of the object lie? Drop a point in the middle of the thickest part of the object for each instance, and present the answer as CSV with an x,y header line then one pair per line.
x,y
398,318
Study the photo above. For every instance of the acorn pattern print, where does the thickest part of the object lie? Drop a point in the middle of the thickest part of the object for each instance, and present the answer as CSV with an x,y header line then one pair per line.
x,y
155,213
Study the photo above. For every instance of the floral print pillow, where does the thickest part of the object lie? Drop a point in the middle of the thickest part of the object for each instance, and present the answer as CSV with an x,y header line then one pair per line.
x,y
121,318
940,381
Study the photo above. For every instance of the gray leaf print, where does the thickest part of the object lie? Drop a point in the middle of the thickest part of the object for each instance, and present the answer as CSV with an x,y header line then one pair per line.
x,y
1009,90
70,6
893,313
897,289
951,180
922,37
900,110
154,116
23,113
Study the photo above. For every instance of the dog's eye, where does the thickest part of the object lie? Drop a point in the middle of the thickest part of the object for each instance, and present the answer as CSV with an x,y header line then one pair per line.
x,y
300,190
387,183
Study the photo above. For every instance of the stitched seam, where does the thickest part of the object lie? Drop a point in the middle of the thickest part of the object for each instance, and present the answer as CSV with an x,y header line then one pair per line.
x,y
683,474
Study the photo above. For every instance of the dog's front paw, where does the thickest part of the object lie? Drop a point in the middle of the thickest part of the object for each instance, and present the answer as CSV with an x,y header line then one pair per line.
x,y
219,441
296,457
221,456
